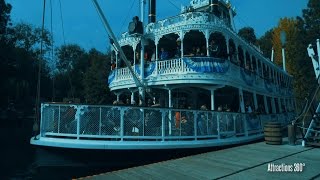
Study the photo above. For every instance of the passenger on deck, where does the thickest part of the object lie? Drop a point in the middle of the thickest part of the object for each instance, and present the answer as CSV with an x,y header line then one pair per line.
x,y
214,49
137,58
201,120
248,108
198,52
178,52
164,54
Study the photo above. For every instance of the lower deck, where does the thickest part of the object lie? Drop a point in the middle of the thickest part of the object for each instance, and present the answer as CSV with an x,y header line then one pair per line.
x,y
254,161
129,127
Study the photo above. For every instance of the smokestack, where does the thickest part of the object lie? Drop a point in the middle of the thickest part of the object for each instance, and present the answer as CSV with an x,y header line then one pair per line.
x,y
152,11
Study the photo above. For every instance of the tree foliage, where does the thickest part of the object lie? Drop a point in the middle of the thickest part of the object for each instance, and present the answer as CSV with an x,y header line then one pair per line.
x,y
5,9
265,43
300,31
311,17
95,87
248,34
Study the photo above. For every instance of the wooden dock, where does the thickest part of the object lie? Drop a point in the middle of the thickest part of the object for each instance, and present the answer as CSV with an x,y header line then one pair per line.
x,y
243,162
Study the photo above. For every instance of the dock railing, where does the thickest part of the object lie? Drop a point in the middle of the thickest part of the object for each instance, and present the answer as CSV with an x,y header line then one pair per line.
x,y
122,123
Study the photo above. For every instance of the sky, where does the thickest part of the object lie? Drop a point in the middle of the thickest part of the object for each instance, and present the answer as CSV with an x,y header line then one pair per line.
x,y
83,26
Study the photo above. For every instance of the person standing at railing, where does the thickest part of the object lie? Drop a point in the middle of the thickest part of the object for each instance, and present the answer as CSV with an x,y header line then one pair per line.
x,y
164,54
202,120
214,49
178,52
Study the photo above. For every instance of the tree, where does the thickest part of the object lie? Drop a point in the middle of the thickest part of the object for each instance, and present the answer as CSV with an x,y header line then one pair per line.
x,y
297,62
311,17
72,64
248,34
265,43
26,36
95,86
5,9
69,56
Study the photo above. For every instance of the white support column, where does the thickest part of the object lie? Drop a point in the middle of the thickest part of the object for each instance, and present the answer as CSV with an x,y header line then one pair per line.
x,y
318,49
170,98
266,107
207,35
228,48
182,39
116,60
170,113
272,54
156,53
134,55
156,41
142,96
231,19
212,100
255,101
132,97
284,59
241,99
118,97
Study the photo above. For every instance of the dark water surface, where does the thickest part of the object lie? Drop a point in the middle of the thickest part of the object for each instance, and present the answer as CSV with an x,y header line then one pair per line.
x,y
20,160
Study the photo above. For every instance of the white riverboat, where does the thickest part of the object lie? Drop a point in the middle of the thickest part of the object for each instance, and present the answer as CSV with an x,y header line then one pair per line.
x,y
207,88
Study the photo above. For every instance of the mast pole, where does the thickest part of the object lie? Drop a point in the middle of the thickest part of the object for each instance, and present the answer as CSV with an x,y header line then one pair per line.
x,y
141,89
318,50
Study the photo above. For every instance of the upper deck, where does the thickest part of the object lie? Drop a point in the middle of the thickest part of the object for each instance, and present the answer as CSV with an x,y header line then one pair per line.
x,y
201,71
179,36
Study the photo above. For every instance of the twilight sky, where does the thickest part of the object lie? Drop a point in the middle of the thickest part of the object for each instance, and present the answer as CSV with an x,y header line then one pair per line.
x,y
82,25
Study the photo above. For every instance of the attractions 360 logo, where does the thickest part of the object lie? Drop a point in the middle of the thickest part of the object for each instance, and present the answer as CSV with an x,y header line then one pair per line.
x,y
296,167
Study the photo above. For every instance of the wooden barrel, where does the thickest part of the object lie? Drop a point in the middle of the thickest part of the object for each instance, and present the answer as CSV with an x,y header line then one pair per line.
x,y
272,133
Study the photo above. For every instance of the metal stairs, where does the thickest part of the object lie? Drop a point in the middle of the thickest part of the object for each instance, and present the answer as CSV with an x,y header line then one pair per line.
x,y
312,136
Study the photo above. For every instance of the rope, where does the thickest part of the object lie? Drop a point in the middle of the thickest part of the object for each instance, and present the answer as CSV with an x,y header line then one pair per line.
x,y
62,24
52,49
126,18
37,120
314,96
173,4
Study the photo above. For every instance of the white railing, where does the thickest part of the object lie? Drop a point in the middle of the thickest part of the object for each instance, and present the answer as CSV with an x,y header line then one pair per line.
x,y
142,123
172,66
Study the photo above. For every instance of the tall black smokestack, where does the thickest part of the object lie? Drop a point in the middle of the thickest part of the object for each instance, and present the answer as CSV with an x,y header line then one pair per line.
x,y
152,11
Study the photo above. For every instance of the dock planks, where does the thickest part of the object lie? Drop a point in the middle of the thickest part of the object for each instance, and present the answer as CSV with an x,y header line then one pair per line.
x,y
242,162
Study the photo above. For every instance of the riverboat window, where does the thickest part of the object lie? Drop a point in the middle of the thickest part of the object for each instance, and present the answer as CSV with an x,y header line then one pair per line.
x,y
269,104
248,62
217,45
260,101
241,56
254,65
248,100
194,44
150,49
169,44
260,67
128,51
227,98
232,52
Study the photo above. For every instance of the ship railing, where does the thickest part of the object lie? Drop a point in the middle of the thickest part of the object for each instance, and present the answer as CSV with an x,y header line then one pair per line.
x,y
164,67
188,18
122,123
